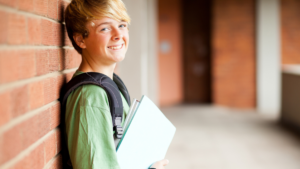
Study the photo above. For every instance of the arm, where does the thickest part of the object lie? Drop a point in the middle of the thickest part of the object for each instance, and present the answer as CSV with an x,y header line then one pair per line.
x,y
91,142
89,129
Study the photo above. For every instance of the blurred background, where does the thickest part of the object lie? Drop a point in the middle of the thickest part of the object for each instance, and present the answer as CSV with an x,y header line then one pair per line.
x,y
226,73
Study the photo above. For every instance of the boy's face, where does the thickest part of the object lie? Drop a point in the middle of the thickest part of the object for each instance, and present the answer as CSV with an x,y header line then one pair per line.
x,y
107,41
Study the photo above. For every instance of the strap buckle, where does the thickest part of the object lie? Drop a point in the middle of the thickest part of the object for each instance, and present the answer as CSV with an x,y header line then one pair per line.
x,y
118,128
118,131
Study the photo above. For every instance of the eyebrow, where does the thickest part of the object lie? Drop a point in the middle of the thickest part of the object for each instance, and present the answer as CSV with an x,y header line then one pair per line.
x,y
104,23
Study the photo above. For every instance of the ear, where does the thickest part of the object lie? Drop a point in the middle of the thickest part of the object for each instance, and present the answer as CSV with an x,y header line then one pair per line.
x,y
79,40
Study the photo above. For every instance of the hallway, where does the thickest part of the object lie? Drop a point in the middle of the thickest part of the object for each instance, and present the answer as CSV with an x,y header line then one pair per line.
x,y
210,137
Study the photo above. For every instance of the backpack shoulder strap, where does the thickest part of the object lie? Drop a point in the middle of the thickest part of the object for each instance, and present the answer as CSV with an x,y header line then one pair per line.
x,y
122,88
110,87
115,102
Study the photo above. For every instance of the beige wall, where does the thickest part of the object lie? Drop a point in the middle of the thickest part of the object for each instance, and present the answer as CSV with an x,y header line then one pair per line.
x,y
139,68
268,56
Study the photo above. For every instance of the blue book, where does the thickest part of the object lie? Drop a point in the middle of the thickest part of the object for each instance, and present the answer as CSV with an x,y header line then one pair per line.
x,y
147,137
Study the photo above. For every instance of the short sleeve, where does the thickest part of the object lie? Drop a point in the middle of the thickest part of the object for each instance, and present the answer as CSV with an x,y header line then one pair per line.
x,y
93,146
89,129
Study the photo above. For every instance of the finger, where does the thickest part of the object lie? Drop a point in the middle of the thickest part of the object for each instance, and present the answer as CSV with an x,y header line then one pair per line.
x,y
165,162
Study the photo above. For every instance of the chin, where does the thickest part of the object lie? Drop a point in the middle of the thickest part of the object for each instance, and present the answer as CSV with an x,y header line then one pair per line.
x,y
119,58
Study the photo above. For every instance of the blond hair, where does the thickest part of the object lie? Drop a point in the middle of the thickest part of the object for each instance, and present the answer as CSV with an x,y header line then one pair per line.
x,y
79,12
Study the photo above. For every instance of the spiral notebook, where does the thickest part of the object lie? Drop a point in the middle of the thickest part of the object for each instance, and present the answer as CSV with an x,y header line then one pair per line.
x,y
147,137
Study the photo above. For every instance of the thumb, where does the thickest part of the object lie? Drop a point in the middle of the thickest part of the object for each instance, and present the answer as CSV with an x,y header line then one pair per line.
x,y
165,162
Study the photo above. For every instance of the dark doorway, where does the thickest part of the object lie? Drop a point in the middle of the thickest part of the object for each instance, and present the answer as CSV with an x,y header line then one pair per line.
x,y
196,50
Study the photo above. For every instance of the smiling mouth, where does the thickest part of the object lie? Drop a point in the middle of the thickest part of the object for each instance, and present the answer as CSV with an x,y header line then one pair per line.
x,y
115,47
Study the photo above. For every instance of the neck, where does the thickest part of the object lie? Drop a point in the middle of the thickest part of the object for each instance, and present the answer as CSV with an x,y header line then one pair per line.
x,y
89,65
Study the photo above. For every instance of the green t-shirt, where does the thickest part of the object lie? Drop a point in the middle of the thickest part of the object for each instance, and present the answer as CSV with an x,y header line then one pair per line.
x,y
89,128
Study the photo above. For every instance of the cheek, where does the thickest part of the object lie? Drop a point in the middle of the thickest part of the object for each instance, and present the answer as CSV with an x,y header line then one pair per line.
x,y
101,40
98,41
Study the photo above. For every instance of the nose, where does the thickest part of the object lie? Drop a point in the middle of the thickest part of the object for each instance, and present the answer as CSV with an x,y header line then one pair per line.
x,y
117,35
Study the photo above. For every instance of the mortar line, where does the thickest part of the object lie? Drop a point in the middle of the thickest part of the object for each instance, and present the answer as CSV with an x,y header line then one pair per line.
x,y
26,116
51,161
25,13
25,152
11,85
9,47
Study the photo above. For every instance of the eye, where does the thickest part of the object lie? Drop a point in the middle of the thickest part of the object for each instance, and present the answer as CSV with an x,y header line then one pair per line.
x,y
123,26
104,29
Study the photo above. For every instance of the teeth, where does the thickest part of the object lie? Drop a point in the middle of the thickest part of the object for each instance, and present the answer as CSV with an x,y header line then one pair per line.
x,y
116,47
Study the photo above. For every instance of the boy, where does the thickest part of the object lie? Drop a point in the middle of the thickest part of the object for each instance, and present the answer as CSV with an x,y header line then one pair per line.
x,y
98,30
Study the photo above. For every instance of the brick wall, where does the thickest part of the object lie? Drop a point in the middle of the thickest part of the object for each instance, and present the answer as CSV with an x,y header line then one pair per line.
x,y
290,31
170,62
36,58
233,53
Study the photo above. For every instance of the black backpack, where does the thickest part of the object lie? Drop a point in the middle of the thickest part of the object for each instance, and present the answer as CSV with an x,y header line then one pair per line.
x,y
111,87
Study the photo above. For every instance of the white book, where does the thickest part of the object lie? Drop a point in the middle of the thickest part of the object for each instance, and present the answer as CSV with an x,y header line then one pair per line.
x,y
147,137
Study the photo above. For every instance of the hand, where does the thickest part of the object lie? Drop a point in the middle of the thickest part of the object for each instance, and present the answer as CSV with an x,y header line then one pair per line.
x,y
160,164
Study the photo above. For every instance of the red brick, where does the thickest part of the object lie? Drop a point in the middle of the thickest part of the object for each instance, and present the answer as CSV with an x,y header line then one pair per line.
x,y
233,53
2,155
33,160
69,76
55,116
290,34
48,89
52,88
61,59
5,107
47,32
36,94
53,9
20,100
48,60
58,34
3,26
8,60
26,64
58,141
37,160
54,60
43,124
26,5
20,63
11,3
41,7
11,143
29,131
24,163
59,81
62,5
72,59
56,164
50,147
34,31
42,61
35,128
17,29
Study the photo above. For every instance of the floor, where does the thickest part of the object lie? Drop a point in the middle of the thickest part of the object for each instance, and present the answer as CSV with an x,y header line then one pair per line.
x,y
210,137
